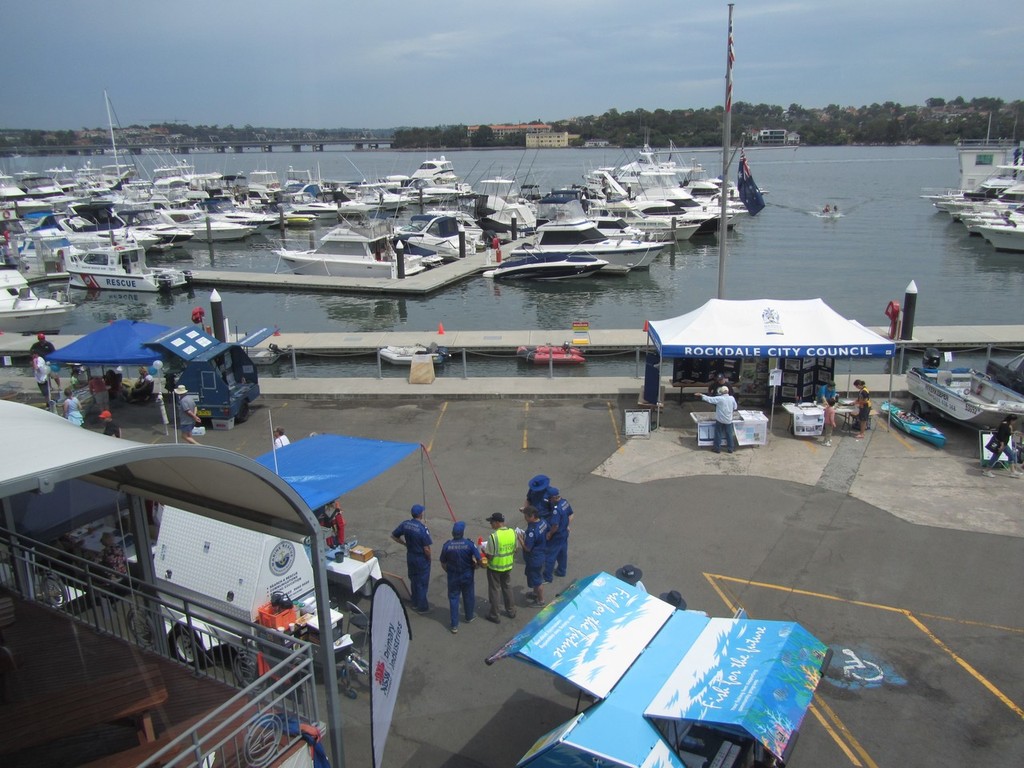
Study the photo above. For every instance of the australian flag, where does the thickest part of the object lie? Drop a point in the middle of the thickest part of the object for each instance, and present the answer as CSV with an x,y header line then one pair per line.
x,y
750,195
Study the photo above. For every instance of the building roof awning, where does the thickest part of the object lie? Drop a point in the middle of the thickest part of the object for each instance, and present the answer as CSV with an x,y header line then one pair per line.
x,y
218,483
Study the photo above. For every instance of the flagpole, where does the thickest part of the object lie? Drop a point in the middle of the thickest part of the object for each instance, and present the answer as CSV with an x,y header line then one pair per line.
x,y
723,196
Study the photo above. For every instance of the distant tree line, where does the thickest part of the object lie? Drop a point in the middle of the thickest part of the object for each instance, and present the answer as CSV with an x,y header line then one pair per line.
x,y
937,122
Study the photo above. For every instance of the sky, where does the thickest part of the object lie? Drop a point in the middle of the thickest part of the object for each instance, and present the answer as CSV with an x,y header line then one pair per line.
x,y
393,63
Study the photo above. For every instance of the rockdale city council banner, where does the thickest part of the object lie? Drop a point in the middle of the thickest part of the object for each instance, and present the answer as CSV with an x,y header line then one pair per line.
x,y
389,645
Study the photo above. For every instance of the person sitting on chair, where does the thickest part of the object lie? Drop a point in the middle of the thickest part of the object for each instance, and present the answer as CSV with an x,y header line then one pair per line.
x,y
142,390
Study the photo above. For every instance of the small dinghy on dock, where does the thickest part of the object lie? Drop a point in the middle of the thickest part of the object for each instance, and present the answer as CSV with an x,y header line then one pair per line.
x,y
545,354
403,355
913,424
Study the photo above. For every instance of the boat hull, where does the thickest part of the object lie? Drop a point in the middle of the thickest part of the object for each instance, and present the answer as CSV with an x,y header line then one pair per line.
x,y
966,396
914,425
42,320
149,283
550,355
404,355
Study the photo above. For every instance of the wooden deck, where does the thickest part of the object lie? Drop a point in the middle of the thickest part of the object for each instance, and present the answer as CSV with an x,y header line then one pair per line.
x,y
58,658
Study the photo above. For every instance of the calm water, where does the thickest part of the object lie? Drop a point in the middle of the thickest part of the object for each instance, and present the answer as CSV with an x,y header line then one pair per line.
x,y
886,237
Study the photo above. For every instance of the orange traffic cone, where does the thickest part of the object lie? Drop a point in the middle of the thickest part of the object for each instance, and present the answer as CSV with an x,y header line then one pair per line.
x,y
440,329
645,326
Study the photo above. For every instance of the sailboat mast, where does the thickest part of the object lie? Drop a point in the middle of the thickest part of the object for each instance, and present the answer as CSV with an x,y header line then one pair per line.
x,y
723,195
110,124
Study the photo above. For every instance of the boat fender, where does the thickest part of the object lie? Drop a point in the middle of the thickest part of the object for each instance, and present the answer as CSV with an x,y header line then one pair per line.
x,y
892,311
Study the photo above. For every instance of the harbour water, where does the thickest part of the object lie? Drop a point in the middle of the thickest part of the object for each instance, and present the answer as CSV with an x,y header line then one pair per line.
x,y
886,237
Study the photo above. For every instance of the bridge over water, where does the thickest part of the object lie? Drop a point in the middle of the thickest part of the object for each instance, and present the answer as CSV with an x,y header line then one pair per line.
x,y
215,147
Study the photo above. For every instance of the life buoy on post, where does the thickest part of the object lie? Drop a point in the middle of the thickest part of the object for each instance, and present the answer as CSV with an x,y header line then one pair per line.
x,y
197,315
7,213
892,311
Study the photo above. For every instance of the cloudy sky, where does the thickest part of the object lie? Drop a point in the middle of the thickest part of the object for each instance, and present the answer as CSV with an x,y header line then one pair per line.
x,y
387,63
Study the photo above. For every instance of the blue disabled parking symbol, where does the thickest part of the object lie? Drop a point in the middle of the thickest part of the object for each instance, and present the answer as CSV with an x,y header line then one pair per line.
x,y
858,668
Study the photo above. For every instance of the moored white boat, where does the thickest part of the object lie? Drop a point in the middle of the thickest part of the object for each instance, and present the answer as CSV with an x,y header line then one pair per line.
x,y
122,268
22,311
546,266
352,250
403,355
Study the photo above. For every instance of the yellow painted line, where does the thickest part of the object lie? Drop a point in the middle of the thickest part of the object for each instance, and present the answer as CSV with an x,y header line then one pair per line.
x,y
843,736
526,418
985,682
840,734
1015,708
619,445
897,436
437,425
835,735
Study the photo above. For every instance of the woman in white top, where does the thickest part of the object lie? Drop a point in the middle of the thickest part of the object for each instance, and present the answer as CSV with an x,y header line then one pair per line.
x,y
72,408
280,438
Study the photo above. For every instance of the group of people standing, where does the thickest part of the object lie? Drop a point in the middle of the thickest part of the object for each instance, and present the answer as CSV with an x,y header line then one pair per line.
x,y
544,543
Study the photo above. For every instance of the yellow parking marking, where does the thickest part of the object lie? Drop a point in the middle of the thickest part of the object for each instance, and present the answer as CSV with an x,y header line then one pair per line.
x,y
841,734
985,682
898,437
437,425
526,418
612,414
969,669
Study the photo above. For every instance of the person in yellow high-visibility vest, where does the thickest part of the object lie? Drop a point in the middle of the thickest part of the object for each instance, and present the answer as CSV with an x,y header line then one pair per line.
x,y
500,549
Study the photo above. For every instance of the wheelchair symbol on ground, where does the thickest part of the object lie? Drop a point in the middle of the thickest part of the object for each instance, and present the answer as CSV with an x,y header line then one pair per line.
x,y
854,668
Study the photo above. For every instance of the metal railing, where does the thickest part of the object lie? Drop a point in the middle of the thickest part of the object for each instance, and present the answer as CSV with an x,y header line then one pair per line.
x,y
274,672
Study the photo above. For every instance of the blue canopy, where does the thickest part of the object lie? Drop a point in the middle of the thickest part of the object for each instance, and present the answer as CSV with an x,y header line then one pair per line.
x,y
591,633
659,671
120,343
755,675
323,467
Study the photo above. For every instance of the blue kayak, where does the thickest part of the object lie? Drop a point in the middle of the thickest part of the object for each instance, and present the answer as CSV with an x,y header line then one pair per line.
x,y
913,424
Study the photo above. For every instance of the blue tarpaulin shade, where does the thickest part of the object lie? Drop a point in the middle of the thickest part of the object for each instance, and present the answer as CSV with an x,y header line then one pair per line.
x,y
120,343
681,669
323,467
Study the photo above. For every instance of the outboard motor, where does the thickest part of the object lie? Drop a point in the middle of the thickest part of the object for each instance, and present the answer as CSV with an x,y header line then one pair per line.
x,y
931,359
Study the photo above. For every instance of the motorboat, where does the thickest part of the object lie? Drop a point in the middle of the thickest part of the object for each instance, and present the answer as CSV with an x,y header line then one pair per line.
x,y
91,223
913,424
428,235
572,233
403,355
962,394
207,228
352,250
41,257
22,311
538,265
223,209
499,207
547,354
656,228
152,222
1005,235
265,356
122,268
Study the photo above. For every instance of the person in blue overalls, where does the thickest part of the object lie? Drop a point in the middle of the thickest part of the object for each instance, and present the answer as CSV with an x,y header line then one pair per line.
x,y
413,534
533,541
537,495
557,558
460,559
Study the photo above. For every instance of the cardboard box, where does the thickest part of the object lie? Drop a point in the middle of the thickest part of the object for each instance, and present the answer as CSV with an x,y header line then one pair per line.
x,y
360,553
223,423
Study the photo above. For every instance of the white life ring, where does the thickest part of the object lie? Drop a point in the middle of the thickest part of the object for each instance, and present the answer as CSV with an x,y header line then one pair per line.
x,y
7,214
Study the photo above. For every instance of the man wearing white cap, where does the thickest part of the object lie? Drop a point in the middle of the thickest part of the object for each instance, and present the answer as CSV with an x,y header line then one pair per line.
x,y
725,406
188,419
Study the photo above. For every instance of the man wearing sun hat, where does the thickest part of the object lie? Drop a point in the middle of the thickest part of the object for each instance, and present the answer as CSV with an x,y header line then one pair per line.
x,y
110,428
459,560
188,419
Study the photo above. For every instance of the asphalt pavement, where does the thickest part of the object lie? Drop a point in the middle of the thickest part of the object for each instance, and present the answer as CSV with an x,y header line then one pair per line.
x,y
901,556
